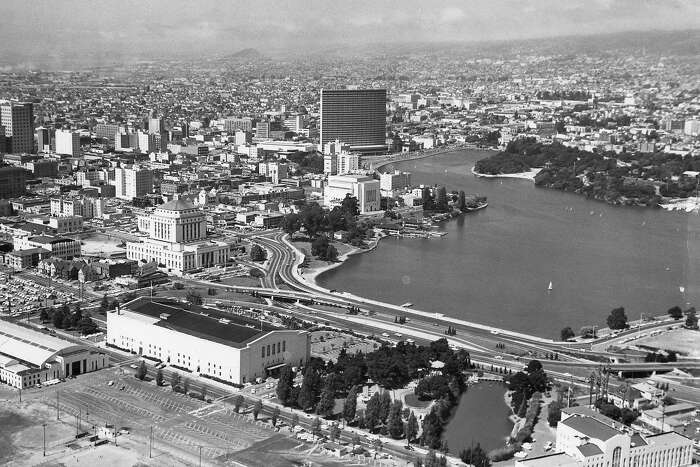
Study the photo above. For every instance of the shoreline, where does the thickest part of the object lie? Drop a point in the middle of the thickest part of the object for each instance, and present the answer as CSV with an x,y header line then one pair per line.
x,y
312,274
529,175
436,152
688,205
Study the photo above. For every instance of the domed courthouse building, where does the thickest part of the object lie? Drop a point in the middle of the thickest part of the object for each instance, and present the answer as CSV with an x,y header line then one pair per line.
x,y
177,239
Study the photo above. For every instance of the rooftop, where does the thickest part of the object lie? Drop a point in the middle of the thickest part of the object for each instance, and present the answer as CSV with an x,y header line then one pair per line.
x,y
180,204
28,345
559,459
590,449
591,427
206,323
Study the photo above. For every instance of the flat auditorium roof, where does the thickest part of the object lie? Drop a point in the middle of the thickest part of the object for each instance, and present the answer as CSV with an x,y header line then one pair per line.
x,y
203,322
28,345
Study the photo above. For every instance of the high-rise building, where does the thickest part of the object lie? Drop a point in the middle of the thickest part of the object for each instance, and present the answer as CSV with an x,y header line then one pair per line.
x,y
132,182
274,170
18,120
107,130
354,116
262,130
330,164
155,126
2,139
43,139
68,143
13,181
348,163
233,124
177,239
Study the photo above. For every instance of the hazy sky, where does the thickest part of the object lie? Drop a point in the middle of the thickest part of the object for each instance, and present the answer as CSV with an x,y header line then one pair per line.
x,y
66,27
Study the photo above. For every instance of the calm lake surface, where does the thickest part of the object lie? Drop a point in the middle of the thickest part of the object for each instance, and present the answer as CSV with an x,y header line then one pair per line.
x,y
494,265
481,417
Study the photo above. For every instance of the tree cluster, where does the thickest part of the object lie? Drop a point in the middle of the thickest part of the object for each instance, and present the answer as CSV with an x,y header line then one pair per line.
x,y
65,318
617,319
257,253
524,384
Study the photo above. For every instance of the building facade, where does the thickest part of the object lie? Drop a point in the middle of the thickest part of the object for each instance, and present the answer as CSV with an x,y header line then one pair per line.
x,y
68,143
132,182
592,440
205,341
13,182
177,241
18,120
29,357
354,116
364,188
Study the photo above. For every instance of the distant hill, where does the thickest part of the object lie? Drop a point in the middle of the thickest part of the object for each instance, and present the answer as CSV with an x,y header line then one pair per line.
x,y
246,54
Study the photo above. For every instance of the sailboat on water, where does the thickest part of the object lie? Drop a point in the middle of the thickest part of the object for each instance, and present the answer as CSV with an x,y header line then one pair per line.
x,y
549,289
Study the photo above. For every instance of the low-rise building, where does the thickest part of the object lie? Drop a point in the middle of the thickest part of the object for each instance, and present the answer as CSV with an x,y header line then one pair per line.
x,y
61,247
364,188
205,341
29,357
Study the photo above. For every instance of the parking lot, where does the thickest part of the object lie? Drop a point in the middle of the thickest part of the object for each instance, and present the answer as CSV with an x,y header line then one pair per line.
x,y
181,425
24,295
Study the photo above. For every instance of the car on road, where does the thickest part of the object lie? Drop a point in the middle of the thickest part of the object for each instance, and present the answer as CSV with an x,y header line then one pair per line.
x,y
110,383
38,385
498,357
134,366
495,332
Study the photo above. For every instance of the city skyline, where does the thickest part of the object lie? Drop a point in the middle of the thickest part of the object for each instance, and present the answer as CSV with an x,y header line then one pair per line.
x,y
118,29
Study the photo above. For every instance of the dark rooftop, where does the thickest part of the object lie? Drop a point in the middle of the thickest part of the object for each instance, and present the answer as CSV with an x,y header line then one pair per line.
x,y
590,449
591,427
235,333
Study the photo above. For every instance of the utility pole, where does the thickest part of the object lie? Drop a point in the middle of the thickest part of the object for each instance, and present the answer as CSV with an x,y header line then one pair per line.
x,y
20,394
200,456
150,444
44,426
58,416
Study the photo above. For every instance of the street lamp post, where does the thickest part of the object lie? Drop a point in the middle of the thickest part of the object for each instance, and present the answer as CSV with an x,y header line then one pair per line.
x,y
44,427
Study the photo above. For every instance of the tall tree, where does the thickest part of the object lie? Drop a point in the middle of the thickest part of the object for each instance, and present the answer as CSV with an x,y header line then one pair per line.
x,y
175,381
285,384
237,403
350,406
275,415
476,456
691,320
325,405
291,223
372,412
257,408
432,429
461,201
309,389
384,406
141,370
159,377
350,205
675,312
411,427
567,333
395,423
617,319
441,199
257,253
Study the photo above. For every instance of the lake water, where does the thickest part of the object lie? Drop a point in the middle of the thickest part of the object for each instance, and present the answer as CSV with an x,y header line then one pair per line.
x,y
481,417
494,265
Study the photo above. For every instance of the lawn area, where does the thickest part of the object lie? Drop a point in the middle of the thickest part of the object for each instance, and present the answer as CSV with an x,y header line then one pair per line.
x,y
413,401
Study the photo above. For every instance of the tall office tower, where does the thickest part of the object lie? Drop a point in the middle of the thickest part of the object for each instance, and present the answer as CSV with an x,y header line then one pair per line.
x,y
107,130
354,116
262,130
330,164
132,182
13,181
18,120
2,139
68,142
43,141
155,126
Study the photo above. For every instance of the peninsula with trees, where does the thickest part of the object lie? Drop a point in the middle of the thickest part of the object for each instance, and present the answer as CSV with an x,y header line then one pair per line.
x,y
632,179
